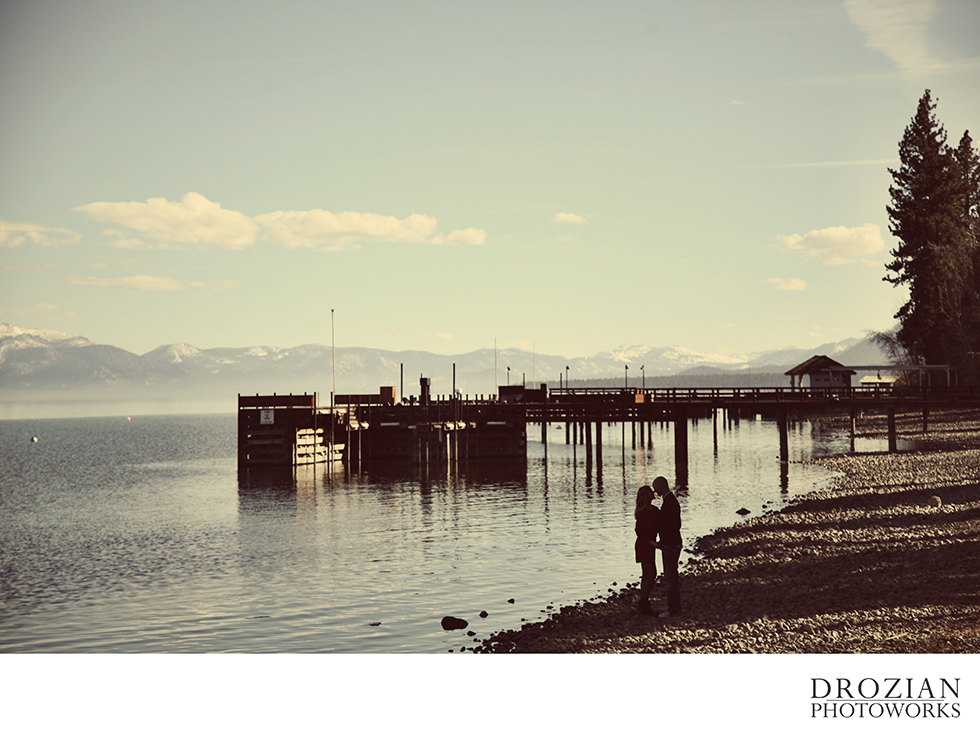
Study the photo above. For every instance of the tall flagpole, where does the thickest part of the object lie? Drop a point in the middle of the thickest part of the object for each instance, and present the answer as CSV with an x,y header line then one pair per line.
x,y
333,360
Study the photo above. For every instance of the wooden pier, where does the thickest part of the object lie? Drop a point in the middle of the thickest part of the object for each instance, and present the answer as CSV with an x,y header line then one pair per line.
x,y
360,429
286,429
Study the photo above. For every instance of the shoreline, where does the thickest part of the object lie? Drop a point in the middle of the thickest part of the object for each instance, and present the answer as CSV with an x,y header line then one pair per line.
x,y
870,565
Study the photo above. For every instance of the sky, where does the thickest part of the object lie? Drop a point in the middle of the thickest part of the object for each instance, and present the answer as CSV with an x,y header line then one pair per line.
x,y
563,177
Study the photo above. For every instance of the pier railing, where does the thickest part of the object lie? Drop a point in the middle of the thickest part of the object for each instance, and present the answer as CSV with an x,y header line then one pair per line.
x,y
787,395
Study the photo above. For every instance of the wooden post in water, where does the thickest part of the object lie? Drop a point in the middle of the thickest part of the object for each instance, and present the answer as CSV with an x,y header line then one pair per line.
x,y
925,418
598,443
892,434
587,428
680,445
783,435
714,430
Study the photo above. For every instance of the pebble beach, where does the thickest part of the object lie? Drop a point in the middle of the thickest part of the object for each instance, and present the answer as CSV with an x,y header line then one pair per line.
x,y
885,561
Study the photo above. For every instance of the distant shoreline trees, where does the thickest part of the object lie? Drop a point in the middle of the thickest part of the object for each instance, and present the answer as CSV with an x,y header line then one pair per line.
x,y
935,215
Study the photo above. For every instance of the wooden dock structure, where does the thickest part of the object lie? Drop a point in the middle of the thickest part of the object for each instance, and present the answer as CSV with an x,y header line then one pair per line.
x,y
362,429
286,429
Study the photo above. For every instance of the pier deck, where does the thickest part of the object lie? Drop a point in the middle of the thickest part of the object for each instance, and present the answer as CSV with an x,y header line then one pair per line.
x,y
293,429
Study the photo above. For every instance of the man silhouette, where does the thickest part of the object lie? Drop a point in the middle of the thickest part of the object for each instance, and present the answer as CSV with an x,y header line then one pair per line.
x,y
670,544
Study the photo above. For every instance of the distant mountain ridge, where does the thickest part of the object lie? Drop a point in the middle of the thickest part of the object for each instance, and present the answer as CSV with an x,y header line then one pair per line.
x,y
36,360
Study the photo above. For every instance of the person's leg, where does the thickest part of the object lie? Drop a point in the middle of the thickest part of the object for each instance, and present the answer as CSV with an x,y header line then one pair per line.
x,y
646,586
671,555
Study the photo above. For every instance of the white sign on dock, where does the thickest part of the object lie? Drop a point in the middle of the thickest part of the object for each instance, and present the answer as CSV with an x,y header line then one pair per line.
x,y
267,416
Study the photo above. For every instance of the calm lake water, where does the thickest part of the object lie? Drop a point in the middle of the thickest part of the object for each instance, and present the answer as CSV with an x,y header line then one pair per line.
x,y
140,536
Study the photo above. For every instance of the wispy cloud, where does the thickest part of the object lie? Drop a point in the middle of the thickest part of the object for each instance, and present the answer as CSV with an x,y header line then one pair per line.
x,y
442,337
568,218
140,283
117,264
196,221
791,284
192,220
38,311
897,28
336,232
124,241
150,283
220,285
14,234
837,244
737,103
468,237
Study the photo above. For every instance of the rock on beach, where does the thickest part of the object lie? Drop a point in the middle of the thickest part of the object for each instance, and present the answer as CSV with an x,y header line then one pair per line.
x,y
451,623
885,561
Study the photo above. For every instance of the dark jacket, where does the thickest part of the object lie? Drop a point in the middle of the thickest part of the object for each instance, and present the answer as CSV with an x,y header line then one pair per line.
x,y
647,522
670,521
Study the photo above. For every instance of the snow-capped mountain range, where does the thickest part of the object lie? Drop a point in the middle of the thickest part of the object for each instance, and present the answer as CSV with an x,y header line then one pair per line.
x,y
37,360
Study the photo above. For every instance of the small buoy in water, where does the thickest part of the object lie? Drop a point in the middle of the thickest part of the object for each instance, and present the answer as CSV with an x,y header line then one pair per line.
x,y
128,419
33,439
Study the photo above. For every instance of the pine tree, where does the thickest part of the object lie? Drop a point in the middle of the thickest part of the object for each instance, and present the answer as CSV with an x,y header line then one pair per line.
x,y
936,255
969,171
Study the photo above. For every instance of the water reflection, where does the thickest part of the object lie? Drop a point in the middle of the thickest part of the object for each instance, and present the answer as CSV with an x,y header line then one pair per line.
x,y
399,545
144,535
264,484
732,449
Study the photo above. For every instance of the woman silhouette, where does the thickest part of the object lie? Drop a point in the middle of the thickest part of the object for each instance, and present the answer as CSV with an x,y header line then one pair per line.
x,y
647,519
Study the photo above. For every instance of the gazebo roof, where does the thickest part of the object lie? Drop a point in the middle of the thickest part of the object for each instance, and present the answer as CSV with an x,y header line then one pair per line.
x,y
816,365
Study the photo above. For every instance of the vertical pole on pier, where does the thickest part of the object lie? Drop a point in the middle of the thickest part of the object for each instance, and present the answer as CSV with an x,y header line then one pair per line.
x,y
680,445
892,435
853,425
783,435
